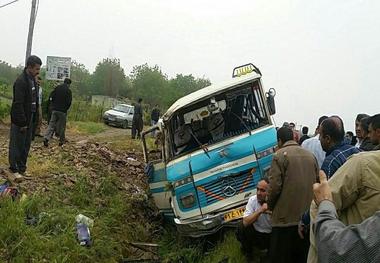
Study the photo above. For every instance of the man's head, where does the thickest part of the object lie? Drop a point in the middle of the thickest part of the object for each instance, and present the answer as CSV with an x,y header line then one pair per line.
x,y
320,120
292,126
349,135
357,125
374,129
67,81
363,126
261,190
140,100
284,134
331,132
305,130
33,65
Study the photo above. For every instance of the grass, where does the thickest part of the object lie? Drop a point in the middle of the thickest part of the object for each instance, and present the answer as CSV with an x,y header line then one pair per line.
x,y
119,217
87,128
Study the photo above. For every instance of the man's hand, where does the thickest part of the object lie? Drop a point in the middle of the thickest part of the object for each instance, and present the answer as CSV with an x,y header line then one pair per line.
x,y
301,229
322,190
264,208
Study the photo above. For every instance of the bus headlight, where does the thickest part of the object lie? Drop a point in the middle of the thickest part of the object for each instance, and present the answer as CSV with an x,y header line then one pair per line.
x,y
187,200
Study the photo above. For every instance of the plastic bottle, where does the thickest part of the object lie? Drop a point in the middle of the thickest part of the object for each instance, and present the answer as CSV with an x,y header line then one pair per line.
x,y
83,234
84,220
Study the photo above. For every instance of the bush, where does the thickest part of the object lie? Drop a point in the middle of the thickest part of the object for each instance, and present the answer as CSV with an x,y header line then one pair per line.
x,y
85,111
5,109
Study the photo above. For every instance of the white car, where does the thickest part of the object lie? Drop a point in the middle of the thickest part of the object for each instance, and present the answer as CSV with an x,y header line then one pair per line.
x,y
121,115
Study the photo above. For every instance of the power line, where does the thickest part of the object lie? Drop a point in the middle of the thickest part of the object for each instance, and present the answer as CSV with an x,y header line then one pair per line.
x,y
9,3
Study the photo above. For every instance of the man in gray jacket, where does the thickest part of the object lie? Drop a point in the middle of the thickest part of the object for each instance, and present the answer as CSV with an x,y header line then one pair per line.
x,y
293,172
337,242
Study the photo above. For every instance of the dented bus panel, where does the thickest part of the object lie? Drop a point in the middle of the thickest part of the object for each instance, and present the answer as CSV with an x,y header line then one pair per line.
x,y
213,146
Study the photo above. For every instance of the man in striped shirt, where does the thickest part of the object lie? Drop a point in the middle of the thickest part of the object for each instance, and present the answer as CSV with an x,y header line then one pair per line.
x,y
333,143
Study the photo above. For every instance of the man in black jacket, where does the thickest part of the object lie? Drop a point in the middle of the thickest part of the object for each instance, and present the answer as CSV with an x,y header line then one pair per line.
x,y
24,107
61,101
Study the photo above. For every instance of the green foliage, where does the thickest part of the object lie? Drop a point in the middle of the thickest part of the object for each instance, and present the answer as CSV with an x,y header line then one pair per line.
x,y
85,111
109,78
53,238
154,87
5,107
227,249
8,74
81,80
178,249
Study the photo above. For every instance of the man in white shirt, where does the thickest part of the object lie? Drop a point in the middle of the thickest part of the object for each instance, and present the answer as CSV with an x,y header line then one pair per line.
x,y
314,146
256,227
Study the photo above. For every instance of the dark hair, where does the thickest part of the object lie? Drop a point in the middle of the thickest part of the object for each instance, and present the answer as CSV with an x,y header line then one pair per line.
x,y
360,116
305,130
284,134
333,126
350,133
140,100
292,124
364,123
264,179
67,81
375,121
321,119
39,78
32,61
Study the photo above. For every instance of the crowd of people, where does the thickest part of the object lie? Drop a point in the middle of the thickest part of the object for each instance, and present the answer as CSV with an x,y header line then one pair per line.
x,y
321,200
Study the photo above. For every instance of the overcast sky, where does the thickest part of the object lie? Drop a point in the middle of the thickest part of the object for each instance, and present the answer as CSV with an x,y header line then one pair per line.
x,y
321,56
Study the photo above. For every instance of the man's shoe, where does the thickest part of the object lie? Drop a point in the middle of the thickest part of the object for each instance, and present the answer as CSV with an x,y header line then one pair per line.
x,y
60,143
46,143
18,178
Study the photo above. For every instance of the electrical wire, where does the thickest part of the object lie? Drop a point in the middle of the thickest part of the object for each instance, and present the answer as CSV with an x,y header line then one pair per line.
x,y
9,3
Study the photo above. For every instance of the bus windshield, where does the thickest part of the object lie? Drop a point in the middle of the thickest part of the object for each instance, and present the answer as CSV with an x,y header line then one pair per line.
x,y
217,118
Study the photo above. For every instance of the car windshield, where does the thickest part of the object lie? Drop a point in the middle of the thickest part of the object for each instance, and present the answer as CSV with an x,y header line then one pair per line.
x,y
214,119
122,108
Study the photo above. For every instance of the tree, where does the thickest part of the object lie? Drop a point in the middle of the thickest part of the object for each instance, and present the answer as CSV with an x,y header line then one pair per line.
x,y
81,79
150,84
182,85
108,78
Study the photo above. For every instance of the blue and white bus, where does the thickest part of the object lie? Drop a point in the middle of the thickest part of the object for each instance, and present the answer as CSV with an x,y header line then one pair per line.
x,y
214,146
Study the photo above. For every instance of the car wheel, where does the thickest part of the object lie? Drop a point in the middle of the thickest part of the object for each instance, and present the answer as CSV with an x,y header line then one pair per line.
x,y
125,125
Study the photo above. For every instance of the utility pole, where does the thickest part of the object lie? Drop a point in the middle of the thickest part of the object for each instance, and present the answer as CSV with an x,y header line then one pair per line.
x,y
33,14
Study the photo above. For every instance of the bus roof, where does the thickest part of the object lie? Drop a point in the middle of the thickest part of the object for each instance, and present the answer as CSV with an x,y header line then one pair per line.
x,y
198,95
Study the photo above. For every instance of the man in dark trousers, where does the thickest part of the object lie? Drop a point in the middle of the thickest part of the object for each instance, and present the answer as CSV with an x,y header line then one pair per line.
x,y
61,101
293,172
154,116
24,108
137,121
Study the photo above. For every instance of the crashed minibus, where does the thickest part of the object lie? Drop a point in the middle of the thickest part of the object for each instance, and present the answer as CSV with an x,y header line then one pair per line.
x,y
212,148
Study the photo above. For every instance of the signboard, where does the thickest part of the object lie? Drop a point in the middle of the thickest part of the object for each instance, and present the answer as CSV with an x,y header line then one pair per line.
x,y
245,69
58,68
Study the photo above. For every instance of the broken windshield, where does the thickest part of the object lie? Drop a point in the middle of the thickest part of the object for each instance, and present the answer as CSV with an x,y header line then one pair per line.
x,y
217,118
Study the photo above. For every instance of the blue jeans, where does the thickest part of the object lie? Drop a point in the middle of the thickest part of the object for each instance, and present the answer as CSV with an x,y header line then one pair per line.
x,y
19,146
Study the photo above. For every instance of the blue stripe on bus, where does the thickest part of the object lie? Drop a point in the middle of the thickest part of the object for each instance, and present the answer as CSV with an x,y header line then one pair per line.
x,y
235,151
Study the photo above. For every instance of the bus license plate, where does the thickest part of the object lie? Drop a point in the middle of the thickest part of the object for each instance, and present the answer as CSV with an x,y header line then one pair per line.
x,y
234,214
